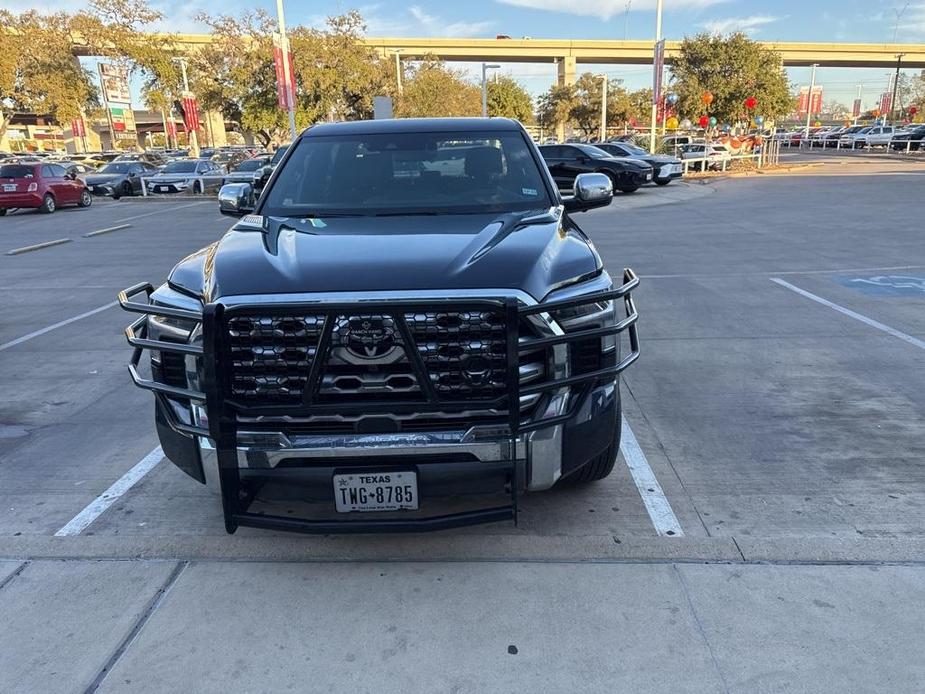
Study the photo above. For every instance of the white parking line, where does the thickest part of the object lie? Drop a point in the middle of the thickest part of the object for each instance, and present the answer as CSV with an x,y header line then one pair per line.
x,y
95,508
656,503
163,208
37,333
852,314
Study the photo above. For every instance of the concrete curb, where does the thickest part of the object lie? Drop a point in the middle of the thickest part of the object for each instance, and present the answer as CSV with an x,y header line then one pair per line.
x,y
425,548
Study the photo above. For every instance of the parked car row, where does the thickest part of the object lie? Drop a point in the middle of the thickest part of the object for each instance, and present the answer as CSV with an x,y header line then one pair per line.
x,y
628,167
856,137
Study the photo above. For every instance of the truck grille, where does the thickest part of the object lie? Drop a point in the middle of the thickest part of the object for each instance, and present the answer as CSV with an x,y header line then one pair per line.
x,y
464,354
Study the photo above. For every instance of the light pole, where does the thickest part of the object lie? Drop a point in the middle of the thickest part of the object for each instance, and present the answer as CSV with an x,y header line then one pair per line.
x,y
284,47
193,135
899,62
809,102
626,18
658,37
485,68
603,79
398,71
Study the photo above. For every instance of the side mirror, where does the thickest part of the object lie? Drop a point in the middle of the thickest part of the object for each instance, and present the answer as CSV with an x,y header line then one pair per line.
x,y
236,199
592,190
71,175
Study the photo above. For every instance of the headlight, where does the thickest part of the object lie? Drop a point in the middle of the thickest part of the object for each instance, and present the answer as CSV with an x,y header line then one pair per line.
x,y
175,368
593,353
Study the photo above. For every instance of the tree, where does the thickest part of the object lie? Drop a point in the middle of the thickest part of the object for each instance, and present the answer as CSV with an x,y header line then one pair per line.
x,y
235,74
38,71
508,99
732,68
337,74
432,89
580,104
555,106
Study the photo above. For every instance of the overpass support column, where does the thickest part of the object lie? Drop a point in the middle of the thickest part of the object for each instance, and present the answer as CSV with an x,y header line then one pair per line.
x,y
566,68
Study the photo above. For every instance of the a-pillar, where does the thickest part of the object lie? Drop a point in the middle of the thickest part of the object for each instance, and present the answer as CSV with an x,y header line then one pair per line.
x,y
566,76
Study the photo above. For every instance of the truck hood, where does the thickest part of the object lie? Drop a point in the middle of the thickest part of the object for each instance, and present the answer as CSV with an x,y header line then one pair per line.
x,y
271,255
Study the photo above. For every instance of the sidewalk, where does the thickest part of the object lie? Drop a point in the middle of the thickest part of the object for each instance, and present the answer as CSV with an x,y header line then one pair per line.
x,y
219,626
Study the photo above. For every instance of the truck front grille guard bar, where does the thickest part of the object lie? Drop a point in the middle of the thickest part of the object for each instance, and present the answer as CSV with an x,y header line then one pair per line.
x,y
223,410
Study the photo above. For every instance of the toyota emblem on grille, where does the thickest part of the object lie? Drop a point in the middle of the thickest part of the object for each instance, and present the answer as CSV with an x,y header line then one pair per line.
x,y
367,337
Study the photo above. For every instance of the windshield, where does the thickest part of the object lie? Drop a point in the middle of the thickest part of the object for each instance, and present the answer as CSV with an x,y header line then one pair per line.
x,y
278,154
15,171
180,167
250,165
408,173
116,168
594,152
633,149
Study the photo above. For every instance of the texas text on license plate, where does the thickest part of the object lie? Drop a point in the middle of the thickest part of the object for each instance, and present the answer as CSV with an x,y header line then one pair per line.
x,y
376,491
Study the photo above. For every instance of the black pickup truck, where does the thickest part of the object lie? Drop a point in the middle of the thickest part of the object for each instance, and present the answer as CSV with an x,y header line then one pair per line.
x,y
406,331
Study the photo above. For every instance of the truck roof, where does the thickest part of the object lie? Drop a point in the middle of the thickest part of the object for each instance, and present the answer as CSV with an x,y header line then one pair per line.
x,y
413,125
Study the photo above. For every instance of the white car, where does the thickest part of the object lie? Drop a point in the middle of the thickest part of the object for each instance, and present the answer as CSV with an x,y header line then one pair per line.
x,y
880,136
854,136
715,154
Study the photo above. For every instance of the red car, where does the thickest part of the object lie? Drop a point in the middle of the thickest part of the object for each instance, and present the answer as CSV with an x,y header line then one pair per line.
x,y
45,187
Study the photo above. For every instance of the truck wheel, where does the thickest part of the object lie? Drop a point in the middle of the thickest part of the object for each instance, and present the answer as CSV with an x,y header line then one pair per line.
x,y
600,466
48,204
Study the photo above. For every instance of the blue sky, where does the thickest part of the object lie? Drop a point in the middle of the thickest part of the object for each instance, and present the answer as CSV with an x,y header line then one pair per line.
x,y
866,21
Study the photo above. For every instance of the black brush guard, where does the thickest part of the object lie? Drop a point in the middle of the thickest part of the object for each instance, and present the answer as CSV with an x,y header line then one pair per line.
x,y
223,410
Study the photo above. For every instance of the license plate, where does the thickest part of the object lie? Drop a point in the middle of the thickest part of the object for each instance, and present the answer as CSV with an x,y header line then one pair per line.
x,y
375,491
92,189
648,177
163,189
9,187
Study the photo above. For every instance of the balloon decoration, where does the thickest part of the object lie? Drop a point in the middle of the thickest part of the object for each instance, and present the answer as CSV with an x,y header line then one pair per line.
x,y
759,119
704,121
751,102
713,121
817,123
725,127
672,123
913,110
672,99
686,124
875,113
707,98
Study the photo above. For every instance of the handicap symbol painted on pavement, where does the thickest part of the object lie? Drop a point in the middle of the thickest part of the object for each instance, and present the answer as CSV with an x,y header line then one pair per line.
x,y
886,285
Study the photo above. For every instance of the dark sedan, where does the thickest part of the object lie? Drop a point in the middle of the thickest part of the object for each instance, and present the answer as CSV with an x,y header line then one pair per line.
x,y
665,168
248,171
119,178
909,140
565,162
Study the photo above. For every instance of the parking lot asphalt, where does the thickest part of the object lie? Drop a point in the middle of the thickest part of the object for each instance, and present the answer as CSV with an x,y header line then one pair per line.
x,y
778,404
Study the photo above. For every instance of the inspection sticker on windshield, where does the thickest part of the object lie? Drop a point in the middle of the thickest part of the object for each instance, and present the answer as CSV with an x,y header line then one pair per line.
x,y
529,191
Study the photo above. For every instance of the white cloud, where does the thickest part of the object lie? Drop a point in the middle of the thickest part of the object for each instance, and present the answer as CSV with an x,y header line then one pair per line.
x,y
435,26
749,25
605,9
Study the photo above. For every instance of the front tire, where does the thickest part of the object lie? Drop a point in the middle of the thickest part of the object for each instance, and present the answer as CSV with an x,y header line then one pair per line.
x,y
662,181
48,204
628,190
127,189
601,465
2,212
85,199
197,188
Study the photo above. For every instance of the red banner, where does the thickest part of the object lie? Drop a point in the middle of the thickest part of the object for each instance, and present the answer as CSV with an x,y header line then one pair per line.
x,y
886,102
856,109
77,127
803,104
171,129
282,93
816,101
190,113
